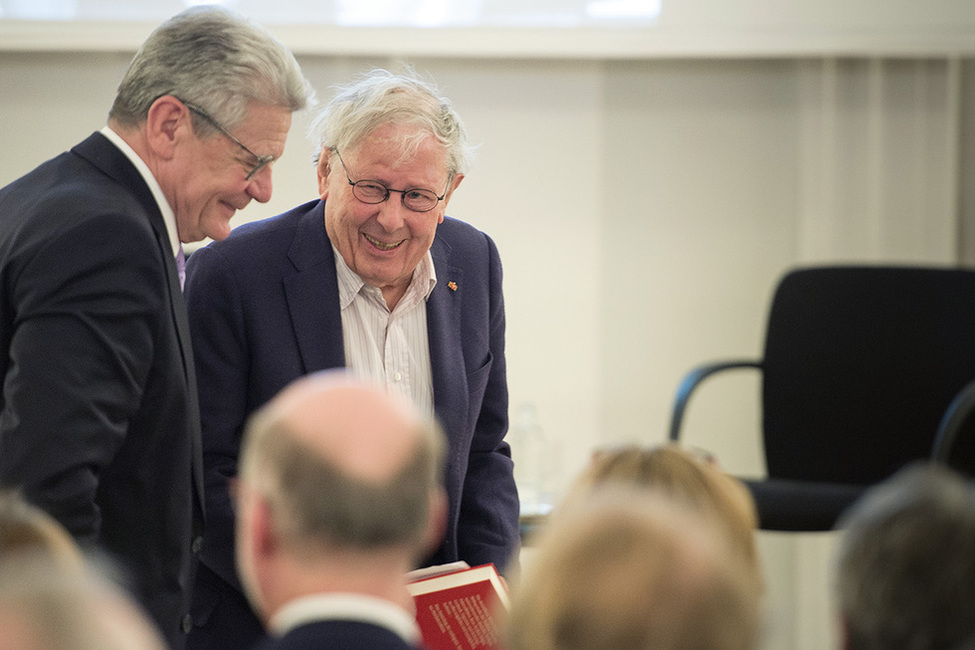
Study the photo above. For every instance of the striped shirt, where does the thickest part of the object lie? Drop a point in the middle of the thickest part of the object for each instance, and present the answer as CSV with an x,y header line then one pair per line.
x,y
390,348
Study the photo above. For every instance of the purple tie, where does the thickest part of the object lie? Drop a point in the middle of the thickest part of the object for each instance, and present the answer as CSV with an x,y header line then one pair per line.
x,y
181,266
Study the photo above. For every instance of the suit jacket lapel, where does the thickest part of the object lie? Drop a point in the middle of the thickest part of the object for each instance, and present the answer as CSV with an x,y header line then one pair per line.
x,y
178,304
446,347
99,151
106,156
312,294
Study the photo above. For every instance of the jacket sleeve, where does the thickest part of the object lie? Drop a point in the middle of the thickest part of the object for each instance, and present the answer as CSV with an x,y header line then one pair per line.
x,y
83,313
488,523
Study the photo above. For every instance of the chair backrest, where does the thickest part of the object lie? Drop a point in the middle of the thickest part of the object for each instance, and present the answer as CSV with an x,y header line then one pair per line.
x,y
859,367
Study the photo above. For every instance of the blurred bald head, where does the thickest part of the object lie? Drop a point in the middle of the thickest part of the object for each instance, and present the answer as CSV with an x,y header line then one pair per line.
x,y
362,431
343,464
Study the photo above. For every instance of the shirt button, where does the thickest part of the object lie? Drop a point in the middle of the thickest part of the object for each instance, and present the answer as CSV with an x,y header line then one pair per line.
x,y
197,545
187,624
398,376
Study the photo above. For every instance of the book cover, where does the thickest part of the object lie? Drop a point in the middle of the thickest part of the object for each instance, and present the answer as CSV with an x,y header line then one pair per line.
x,y
461,609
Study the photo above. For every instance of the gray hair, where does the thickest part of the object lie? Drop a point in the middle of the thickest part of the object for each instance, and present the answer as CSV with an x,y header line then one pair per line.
x,y
316,505
215,59
906,562
379,97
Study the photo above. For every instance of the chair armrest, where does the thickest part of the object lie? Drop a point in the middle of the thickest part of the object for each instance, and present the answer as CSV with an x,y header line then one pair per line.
x,y
691,381
955,418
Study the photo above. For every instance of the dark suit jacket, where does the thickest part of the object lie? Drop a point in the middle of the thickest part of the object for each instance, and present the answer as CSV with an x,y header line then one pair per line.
x,y
264,310
99,422
338,635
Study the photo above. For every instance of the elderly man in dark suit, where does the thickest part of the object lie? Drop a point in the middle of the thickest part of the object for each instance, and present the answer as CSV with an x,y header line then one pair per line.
x,y
331,572
373,277
99,422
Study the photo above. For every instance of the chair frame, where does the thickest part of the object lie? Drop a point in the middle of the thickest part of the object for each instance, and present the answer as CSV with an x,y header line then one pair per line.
x,y
825,499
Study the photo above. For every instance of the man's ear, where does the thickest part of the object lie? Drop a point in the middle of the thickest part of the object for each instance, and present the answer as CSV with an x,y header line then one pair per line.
x,y
265,537
454,183
842,632
167,123
324,168
436,522
254,549
255,519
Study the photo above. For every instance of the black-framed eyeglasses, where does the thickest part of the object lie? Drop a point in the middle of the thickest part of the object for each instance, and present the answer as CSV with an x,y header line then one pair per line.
x,y
262,161
415,198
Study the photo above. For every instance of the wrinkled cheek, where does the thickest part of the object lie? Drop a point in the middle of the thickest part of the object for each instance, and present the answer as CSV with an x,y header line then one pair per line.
x,y
215,221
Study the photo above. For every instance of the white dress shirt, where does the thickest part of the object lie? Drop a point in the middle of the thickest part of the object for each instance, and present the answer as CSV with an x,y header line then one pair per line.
x,y
346,607
390,348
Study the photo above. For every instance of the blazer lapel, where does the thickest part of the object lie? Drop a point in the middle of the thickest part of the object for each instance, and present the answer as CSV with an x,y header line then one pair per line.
x,y
178,304
106,156
446,346
313,296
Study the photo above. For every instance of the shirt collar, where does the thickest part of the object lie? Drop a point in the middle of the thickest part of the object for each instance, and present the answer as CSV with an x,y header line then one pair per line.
x,y
350,284
346,607
169,217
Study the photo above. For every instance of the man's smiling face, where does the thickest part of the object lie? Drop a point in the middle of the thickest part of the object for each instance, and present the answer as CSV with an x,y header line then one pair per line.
x,y
384,242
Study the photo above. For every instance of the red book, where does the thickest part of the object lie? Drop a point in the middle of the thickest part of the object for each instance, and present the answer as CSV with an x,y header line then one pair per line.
x,y
461,609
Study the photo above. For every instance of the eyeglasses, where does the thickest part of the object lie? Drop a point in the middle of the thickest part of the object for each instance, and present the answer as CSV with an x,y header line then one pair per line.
x,y
372,192
262,161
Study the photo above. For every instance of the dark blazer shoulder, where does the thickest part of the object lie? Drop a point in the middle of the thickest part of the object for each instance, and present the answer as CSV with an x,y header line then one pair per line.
x,y
461,236
91,180
461,249
103,155
263,242
80,205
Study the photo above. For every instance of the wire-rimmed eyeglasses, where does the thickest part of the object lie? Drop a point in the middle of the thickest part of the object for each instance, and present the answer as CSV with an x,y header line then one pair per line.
x,y
369,191
262,161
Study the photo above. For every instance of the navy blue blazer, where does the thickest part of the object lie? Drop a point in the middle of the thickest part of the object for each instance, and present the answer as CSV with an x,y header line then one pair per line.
x,y
337,635
264,309
99,423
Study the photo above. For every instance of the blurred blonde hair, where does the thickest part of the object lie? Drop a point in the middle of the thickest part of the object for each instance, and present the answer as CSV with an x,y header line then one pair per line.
x,y
45,607
54,597
25,528
689,479
623,567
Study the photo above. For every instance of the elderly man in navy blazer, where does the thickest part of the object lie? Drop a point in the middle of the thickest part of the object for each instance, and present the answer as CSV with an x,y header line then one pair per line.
x,y
373,277
331,573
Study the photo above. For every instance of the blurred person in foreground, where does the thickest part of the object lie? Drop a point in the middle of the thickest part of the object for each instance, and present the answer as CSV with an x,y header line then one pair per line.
x,y
99,424
627,568
44,605
326,573
905,573
370,276
53,597
690,479
25,528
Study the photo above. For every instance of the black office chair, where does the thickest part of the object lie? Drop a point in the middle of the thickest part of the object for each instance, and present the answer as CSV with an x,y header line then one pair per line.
x,y
865,369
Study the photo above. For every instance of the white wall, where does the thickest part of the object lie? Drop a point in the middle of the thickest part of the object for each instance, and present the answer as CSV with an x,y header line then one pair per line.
x,y
644,210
